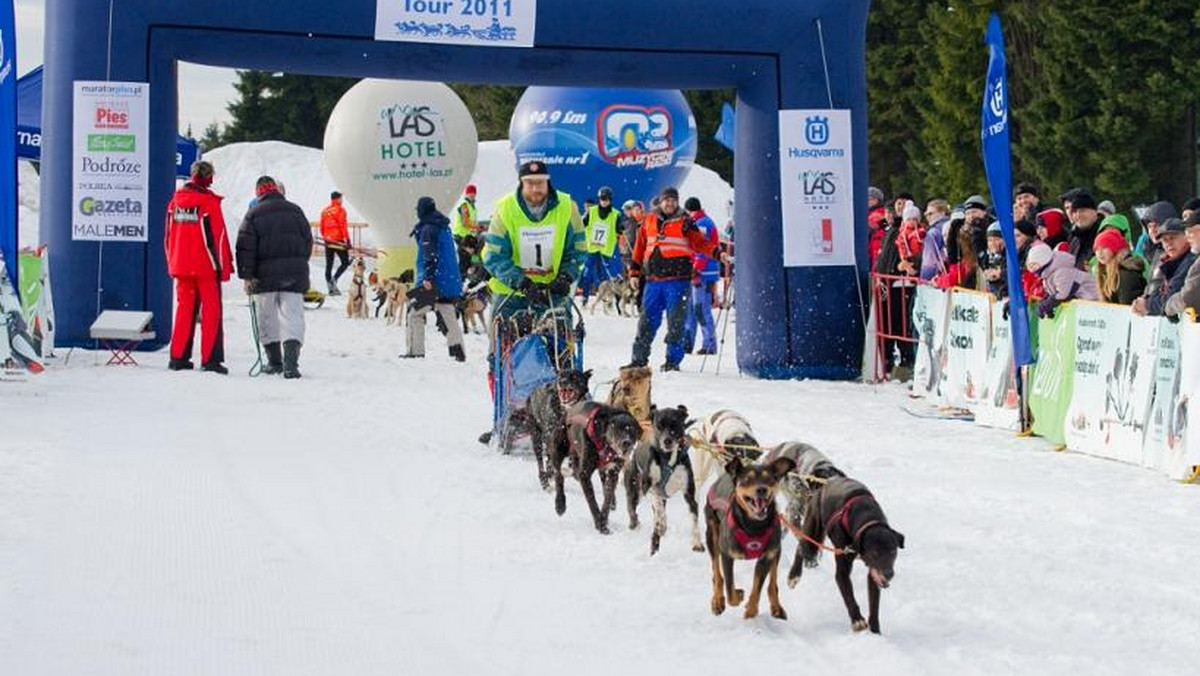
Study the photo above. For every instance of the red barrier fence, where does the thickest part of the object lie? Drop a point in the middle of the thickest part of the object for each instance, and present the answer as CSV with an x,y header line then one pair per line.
x,y
891,299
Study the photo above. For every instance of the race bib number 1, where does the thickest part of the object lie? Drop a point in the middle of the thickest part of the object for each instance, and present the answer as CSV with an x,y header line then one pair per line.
x,y
536,248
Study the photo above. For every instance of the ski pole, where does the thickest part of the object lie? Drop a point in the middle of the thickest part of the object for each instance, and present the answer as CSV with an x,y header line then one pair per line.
x,y
724,328
724,310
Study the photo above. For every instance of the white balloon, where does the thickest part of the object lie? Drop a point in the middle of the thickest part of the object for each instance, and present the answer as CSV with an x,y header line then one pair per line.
x,y
390,142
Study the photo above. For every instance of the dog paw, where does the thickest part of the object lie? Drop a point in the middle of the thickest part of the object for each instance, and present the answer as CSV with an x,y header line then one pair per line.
x,y
792,581
560,505
735,599
698,548
778,612
603,529
812,563
750,613
718,604
859,625
653,547
874,627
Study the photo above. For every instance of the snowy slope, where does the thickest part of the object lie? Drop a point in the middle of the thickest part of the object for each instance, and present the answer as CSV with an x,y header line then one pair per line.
x,y
348,523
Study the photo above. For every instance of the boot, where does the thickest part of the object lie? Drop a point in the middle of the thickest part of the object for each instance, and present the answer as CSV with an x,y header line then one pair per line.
x,y
215,367
333,290
274,359
291,359
180,365
456,351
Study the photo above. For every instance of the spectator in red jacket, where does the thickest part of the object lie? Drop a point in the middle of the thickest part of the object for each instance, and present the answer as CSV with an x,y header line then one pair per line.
x,y
877,221
199,258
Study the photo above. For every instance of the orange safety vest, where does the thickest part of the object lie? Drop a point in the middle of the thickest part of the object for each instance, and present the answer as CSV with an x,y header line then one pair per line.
x,y
668,239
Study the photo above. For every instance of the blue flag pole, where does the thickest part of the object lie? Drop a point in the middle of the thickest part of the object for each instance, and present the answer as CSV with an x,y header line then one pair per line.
x,y
997,163
8,142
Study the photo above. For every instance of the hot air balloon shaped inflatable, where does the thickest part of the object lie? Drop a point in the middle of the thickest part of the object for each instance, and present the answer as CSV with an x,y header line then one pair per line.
x,y
636,141
390,142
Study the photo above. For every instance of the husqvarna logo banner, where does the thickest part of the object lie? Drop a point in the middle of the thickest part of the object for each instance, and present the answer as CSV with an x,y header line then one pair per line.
x,y
634,135
817,187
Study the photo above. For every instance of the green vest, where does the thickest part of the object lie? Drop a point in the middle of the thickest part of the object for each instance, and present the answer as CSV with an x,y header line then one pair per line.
x,y
458,228
602,233
537,246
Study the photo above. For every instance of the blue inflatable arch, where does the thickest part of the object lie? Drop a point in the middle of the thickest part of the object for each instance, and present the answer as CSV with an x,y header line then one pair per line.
x,y
792,322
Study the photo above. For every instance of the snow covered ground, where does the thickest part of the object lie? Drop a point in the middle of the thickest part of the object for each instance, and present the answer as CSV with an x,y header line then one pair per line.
x,y
349,523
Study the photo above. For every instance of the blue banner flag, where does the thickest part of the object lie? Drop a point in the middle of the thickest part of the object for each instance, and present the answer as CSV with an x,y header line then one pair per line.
x,y
725,132
998,164
8,141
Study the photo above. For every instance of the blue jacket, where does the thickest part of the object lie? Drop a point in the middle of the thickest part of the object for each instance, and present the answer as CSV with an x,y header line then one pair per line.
x,y
437,255
933,255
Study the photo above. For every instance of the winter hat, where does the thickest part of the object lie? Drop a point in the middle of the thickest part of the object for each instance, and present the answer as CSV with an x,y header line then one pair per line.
x,y
1107,207
202,173
534,170
1192,204
1111,239
1026,227
264,185
629,204
1039,256
1069,196
335,195
975,202
911,212
1052,220
470,189
1172,225
1024,188
1159,212
874,193
1084,200
959,213
994,230
1193,219
692,204
1119,223
425,206
604,192
671,192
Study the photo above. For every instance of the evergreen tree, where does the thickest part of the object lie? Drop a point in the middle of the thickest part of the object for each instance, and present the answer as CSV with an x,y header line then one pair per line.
x,y
211,138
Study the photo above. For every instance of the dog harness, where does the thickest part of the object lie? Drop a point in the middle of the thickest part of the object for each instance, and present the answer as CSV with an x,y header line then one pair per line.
x,y
752,545
603,450
843,515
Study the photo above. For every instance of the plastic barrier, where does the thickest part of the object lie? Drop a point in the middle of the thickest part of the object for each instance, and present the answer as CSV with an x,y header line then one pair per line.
x,y
1107,382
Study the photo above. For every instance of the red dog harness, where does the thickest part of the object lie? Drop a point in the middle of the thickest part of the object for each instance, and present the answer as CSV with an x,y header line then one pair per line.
x,y
752,545
603,450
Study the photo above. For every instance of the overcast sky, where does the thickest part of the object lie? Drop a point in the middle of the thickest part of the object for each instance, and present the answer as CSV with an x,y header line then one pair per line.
x,y
203,91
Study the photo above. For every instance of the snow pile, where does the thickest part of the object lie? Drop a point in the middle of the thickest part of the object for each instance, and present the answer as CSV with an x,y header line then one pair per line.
x,y
349,523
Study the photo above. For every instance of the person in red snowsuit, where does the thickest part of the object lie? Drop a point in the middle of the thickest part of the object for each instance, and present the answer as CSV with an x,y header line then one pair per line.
x,y
199,258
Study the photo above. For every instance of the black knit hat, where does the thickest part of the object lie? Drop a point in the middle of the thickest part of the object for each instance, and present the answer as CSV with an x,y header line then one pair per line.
x,y
1026,227
692,204
1084,200
671,192
1024,188
534,169
334,195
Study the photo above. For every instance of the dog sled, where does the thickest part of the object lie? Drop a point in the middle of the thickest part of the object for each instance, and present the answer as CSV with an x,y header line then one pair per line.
x,y
529,348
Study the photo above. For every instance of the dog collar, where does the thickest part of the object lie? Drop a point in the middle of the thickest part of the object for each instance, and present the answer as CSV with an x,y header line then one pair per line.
x,y
606,454
842,515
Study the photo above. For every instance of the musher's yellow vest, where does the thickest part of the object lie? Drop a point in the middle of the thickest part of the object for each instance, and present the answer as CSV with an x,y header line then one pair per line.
x,y
537,246
602,233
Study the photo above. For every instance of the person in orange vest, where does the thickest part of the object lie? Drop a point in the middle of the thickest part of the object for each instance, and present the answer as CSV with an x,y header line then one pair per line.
x,y
199,258
337,240
662,255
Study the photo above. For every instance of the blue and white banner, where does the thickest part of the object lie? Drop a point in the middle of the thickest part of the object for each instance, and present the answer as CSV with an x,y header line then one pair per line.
x,y
816,187
998,163
481,23
8,140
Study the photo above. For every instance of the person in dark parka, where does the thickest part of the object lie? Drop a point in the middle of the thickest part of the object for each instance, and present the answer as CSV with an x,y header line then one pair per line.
x,y
274,244
438,284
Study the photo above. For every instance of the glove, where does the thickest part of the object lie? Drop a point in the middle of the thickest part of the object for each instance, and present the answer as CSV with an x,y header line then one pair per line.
x,y
1047,307
538,294
251,286
561,286
1004,311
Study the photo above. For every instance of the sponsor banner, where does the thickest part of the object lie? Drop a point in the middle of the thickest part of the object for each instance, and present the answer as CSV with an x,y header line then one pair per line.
x,y
1053,377
931,309
1101,399
817,187
482,23
999,402
413,143
967,335
17,350
110,161
1180,452
37,303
